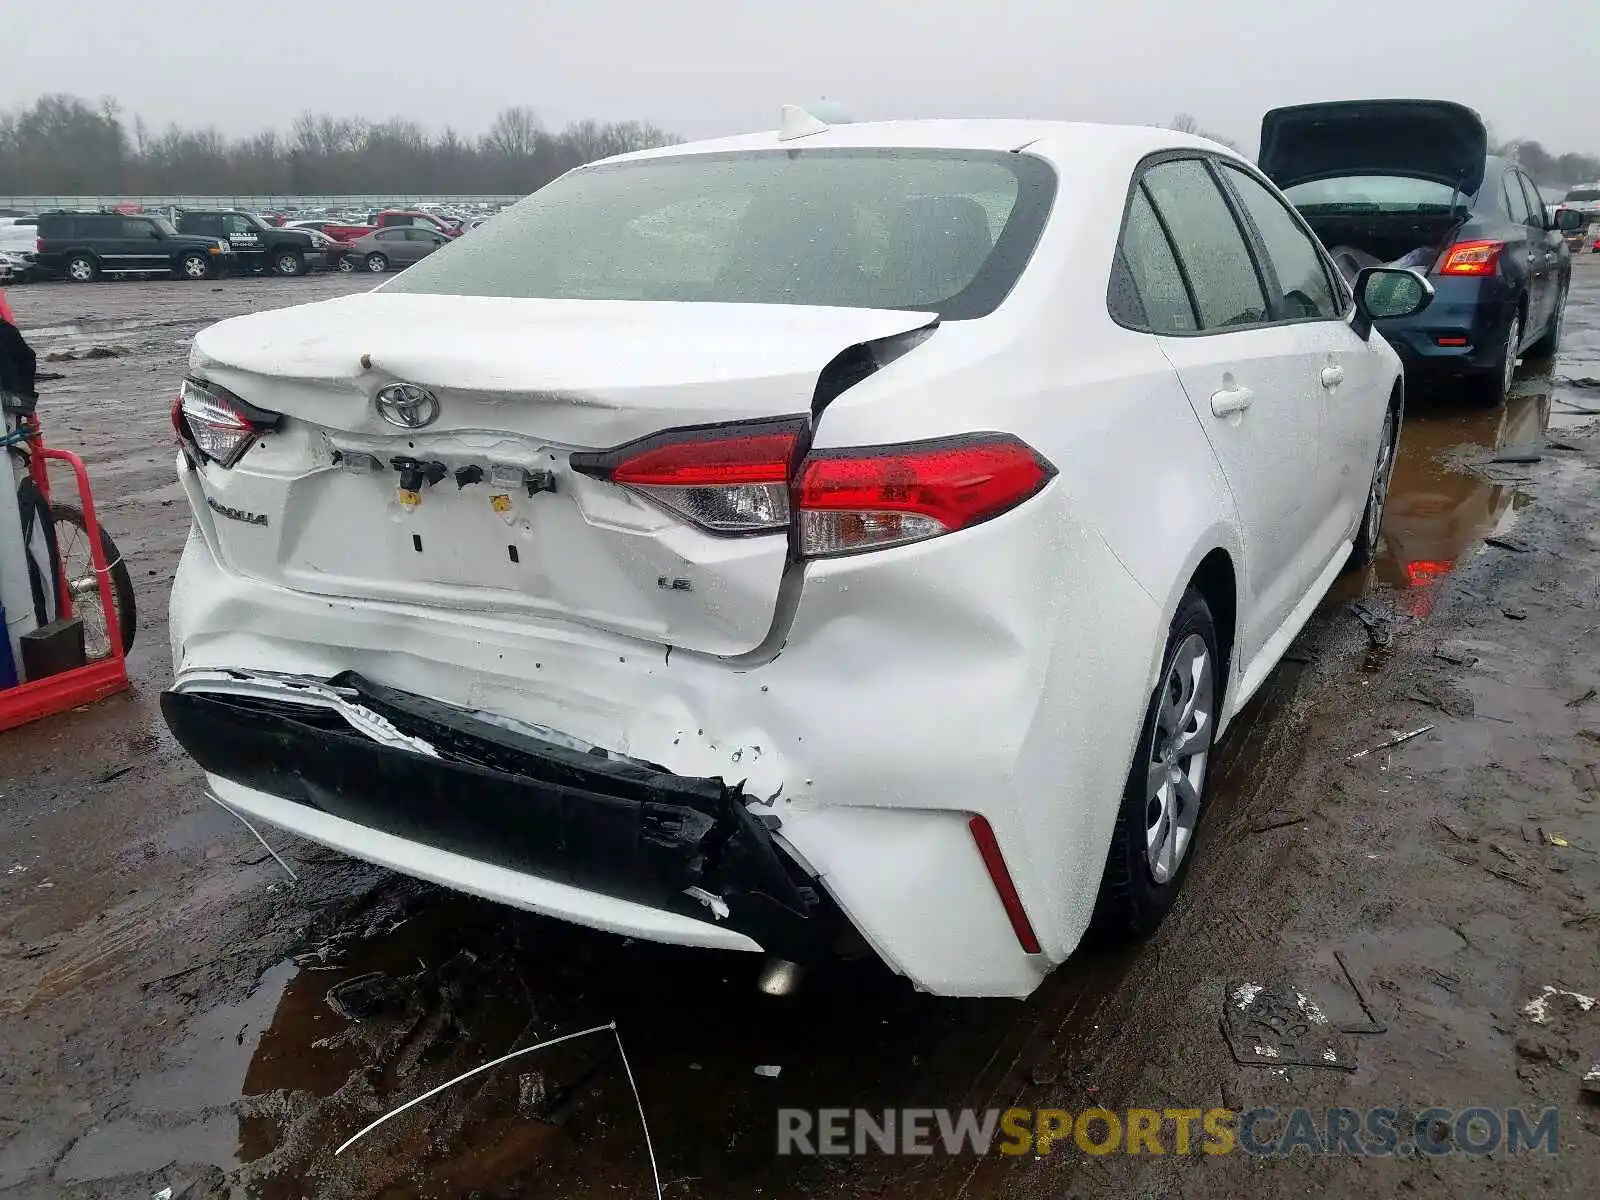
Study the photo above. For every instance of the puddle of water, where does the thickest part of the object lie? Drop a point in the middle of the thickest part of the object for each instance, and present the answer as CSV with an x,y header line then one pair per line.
x,y
1439,512
463,982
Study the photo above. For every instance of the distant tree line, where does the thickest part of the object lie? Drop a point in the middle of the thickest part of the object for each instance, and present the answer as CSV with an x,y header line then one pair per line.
x,y
1551,169
64,145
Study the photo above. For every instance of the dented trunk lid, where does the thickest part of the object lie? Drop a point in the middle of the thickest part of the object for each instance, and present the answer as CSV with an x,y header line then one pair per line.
x,y
509,530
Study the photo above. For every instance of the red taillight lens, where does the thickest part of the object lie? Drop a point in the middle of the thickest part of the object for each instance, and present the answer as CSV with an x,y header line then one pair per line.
x,y
879,496
217,423
735,479
727,479
1472,258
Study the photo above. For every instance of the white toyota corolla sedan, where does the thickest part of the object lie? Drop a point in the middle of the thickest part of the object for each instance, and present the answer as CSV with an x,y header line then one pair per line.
x,y
735,544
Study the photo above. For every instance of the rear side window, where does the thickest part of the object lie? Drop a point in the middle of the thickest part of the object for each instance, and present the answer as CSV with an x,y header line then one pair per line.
x,y
1302,279
1148,290
1209,244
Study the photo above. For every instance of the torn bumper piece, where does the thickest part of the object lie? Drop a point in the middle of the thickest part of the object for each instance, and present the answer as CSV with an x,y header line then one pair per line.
x,y
616,827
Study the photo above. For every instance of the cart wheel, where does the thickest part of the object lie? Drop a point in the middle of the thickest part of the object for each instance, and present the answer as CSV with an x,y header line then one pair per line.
x,y
72,541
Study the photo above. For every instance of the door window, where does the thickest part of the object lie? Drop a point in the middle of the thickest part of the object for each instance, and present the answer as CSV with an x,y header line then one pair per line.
x,y
1516,202
236,225
1535,201
391,235
1209,244
1302,279
143,230
1147,287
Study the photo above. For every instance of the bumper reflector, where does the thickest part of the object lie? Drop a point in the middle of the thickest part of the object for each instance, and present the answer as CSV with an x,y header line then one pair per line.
x,y
994,861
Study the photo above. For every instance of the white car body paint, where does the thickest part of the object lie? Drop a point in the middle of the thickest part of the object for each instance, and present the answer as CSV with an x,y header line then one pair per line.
x,y
873,703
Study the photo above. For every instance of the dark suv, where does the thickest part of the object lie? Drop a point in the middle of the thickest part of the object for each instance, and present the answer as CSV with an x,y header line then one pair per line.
x,y
256,245
84,246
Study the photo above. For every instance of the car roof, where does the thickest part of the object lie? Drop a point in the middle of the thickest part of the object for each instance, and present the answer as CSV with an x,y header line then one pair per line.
x,y
1053,139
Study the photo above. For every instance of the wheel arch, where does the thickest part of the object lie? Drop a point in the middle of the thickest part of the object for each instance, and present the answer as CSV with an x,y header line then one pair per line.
x,y
1216,580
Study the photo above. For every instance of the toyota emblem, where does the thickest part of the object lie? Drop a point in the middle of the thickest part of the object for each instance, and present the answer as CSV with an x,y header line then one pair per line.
x,y
407,405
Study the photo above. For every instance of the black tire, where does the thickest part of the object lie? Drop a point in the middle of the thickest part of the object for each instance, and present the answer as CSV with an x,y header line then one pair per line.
x,y
83,268
1132,901
193,267
289,263
377,263
1369,535
1550,343
1491,388
73,546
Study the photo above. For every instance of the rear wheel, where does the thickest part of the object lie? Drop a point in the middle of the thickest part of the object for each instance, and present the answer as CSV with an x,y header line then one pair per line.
x,y
83,585
1367,537
377,263
347,264
82,268
1491,388
1165,793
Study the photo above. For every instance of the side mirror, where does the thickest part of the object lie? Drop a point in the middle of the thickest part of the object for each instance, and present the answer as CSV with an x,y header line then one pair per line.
x,y
1386,292
1570,220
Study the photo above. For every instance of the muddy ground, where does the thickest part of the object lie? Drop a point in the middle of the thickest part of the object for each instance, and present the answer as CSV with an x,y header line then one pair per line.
x,y
175,1013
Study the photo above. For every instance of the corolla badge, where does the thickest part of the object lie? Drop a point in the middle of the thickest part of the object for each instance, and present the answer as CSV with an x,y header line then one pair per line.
x,y
407,405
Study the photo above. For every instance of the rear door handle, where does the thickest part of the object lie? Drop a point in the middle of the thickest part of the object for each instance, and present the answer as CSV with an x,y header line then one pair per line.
x,y
1332,377
1231,400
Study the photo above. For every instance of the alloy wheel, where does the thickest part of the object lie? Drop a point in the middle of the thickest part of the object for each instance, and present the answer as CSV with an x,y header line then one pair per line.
x,y
1179,748
1378,496
1513,338
81,269
194,267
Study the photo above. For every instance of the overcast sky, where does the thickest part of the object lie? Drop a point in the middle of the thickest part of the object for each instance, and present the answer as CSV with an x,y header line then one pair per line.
x,y
705,67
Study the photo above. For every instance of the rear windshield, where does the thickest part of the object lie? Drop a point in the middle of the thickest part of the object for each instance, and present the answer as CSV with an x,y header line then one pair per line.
x,y
944,231
1373,193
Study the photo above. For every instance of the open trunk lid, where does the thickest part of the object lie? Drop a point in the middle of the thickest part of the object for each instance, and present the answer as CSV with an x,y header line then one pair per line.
x,y
505,526
1420,139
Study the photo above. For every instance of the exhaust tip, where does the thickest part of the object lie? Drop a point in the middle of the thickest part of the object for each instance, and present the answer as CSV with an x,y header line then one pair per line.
x,y
780,977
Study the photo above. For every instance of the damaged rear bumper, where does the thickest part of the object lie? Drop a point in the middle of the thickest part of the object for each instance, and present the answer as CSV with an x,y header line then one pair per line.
x,y
500,811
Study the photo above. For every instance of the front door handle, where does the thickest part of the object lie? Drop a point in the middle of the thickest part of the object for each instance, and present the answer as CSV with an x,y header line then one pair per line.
x,y
1231,400
1332,377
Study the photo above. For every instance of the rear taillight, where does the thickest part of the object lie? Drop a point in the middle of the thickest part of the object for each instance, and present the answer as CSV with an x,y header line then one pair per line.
x,y
744,479
878,496
217,423
727,479
38,245
1472,258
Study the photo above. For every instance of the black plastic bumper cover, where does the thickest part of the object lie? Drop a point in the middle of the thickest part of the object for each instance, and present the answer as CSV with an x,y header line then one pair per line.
x,y
618,828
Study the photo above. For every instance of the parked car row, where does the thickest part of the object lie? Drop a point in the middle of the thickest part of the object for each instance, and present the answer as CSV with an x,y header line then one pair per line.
x,y
194,245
